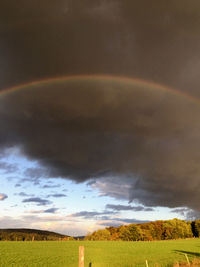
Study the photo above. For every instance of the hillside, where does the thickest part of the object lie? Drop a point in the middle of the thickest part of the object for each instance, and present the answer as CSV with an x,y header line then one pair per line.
x,y
30,235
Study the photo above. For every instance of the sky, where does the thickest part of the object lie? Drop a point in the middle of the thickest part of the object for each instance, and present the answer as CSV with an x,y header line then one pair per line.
x,y
99,113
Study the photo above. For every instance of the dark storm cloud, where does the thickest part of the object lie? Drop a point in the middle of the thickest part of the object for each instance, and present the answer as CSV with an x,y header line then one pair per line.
x,y
150,141
155,40
126,208
39,201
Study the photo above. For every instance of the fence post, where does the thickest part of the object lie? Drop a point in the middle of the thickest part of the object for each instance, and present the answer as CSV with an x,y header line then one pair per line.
x,y
188,262
81,256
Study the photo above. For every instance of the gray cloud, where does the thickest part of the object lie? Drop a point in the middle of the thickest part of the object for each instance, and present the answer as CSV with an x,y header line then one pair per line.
x,y
50,210
110,224
192,215
91,214
111,221
187,213
39,201
127,220
3,196
126,208
57,195
23,194
116,187
65,190
181,211
50,186
35,181
36,173
7,167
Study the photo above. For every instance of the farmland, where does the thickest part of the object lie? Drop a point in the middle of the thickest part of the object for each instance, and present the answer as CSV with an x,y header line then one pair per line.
x,y
97,253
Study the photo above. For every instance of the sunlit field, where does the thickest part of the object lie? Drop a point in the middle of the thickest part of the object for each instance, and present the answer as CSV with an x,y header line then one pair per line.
x,y
97,253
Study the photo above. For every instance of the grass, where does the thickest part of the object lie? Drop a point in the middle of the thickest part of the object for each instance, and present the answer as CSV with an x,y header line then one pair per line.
x,y
97,254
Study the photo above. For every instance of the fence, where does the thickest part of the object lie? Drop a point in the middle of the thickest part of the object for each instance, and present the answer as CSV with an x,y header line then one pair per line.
x,y
82,258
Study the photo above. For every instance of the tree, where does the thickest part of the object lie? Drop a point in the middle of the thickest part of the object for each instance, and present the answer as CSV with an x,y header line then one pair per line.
x,y
100,235
131,232
196,228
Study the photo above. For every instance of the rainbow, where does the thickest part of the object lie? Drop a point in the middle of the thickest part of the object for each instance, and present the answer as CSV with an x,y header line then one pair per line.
x,y
100,77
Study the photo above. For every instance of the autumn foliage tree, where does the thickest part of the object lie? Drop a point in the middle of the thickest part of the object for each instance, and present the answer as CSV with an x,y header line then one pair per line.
x,y
131,232
158,230
100,235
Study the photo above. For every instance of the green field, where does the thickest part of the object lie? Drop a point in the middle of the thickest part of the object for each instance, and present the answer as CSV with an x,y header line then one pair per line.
x,y
97,253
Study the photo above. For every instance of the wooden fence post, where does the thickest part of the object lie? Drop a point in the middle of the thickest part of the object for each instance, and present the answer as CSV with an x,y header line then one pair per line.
x,y
81,256
188,262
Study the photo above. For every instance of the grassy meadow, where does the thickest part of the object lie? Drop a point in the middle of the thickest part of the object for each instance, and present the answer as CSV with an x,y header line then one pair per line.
x,y
97,253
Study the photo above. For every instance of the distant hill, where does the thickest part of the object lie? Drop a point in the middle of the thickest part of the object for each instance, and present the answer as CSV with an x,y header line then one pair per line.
x,y
30,235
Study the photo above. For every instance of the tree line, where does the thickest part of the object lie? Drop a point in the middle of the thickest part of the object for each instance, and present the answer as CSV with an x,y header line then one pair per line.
x,y
157,230
30,235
